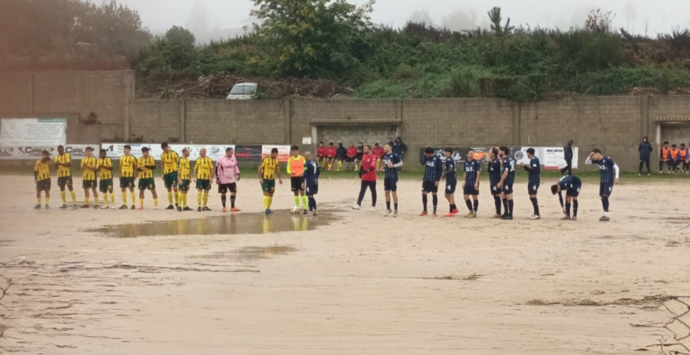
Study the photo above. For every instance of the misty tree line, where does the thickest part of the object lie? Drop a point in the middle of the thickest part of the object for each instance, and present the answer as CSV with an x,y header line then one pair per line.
x,y
335,40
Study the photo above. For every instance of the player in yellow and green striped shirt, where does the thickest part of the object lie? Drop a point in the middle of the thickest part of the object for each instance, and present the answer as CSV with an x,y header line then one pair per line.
x,y
128,170
42,178
63,165
89,166
145,165
169,162
183,180
105,173
204,179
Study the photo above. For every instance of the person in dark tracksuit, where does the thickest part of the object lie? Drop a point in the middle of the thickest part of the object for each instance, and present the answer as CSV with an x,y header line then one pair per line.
x,y
568,156
645,150
311,181
534,170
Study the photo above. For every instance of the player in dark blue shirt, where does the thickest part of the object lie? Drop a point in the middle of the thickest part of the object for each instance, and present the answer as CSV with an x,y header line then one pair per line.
x,y
433,169
507,180
392,163
495,173
534,179
311,180
571,184
450,175
470,183
607,169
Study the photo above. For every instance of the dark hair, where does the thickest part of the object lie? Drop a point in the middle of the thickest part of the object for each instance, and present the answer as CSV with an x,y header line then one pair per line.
x,y
429,150
360,143
554,189
274,150
530,151
449,150
103,151
44,152
665,142
596,150
368,146
388,144
682,144
185,149
505,150
89,149
332,143
470,150
321,142
61,146
164,145
228,149
145,149
673,146
294,147
376,144
494,151
126,146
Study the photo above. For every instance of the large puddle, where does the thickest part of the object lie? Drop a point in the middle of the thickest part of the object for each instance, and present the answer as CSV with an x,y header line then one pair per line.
x,y
245,223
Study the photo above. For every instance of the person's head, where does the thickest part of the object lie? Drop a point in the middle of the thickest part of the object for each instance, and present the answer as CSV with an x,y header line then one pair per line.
x,y
470,154
387,148
367,149
570,141
595,154
321,144
228,152
530,153
361,145
503,152
294,150
331,144
376,145
429,152
398,140
340,145
682,146
102,153
555,188
274,153
145,152
165,147
352,144
493,153
665,144
307,155
89,152
185,152
673,146
448,152
645,139
202,152
128,149
61,150
45,155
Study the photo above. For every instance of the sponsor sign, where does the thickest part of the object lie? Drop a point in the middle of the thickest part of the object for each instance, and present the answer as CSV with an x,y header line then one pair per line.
x,y
213,151
551,158
248,153
15,132
29,152
283,152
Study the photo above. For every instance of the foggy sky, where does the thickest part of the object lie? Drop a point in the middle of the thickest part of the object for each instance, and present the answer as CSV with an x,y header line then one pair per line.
x,y
226,17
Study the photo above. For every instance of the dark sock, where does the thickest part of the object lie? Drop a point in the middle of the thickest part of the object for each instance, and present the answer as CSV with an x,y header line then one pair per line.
x,y
434,199
510,208
497,203
605,202
424,202
388,205
575,205
505,206
469,205
396,206
476,206
232,201
567,209
535,204
223,199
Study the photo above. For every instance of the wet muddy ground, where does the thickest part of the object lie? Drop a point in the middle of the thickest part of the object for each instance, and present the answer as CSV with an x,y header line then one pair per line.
x,y
346,282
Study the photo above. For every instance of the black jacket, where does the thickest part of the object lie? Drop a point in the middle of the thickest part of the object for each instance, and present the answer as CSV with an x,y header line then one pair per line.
x,y
645,150
568,150
341,152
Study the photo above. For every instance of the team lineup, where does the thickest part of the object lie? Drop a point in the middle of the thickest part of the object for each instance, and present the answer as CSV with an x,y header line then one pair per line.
x,y
304,172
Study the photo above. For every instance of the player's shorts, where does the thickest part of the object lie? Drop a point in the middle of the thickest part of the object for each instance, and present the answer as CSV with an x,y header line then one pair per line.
x,y
224,188
127,182
64,181
469,190
43,185
296,183
451,185
89,184
184,186
202,184
605,189
268,186
312,190
533,187
428,186
495,191
507,188
170,180
390,184
573,192
105,185
147,184
349,160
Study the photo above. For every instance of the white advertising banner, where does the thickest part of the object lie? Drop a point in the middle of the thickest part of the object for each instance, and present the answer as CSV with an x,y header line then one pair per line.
x,y
213,151
26,152
551,158
15,132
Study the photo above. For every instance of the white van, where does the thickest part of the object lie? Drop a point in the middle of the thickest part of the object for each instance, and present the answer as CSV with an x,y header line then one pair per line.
x,y
243,91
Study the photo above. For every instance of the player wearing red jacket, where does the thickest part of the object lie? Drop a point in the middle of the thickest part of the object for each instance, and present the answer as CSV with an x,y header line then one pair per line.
x,y
321,153
368,175
378,153
351,155
330,156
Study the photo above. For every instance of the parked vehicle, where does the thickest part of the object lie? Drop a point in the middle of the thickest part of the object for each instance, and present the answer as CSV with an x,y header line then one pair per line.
x,y
243,91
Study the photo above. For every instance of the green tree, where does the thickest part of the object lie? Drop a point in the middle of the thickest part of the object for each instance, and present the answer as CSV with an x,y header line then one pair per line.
x,y
496,19
180,36
311,37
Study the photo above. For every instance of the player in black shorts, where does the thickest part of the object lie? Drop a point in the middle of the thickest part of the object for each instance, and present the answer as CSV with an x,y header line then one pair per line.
x,y
571,184
433,169
506,183
607,168
534,170
311,181
391,164
451,176
470,183
494,178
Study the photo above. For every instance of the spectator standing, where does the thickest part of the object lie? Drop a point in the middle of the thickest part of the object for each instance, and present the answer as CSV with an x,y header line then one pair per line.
x,y
645,150
399,147
568,156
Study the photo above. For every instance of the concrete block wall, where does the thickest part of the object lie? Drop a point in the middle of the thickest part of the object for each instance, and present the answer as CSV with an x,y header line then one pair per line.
x,y
156,120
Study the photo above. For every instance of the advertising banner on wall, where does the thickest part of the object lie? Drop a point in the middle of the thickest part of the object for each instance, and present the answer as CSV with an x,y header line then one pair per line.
x,y
15,132
283,152
249,153
27,152
551,158
213,151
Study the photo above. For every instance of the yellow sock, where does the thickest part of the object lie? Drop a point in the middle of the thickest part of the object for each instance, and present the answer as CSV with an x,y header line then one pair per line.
x,y
86,200
112,198
265,202
95,200
124,198
155,202
270,201
340,165
170,198
105,198
47,201
141,201
134,198
183,200
64,199
177,199
39,200
74,197
205,199
198,198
